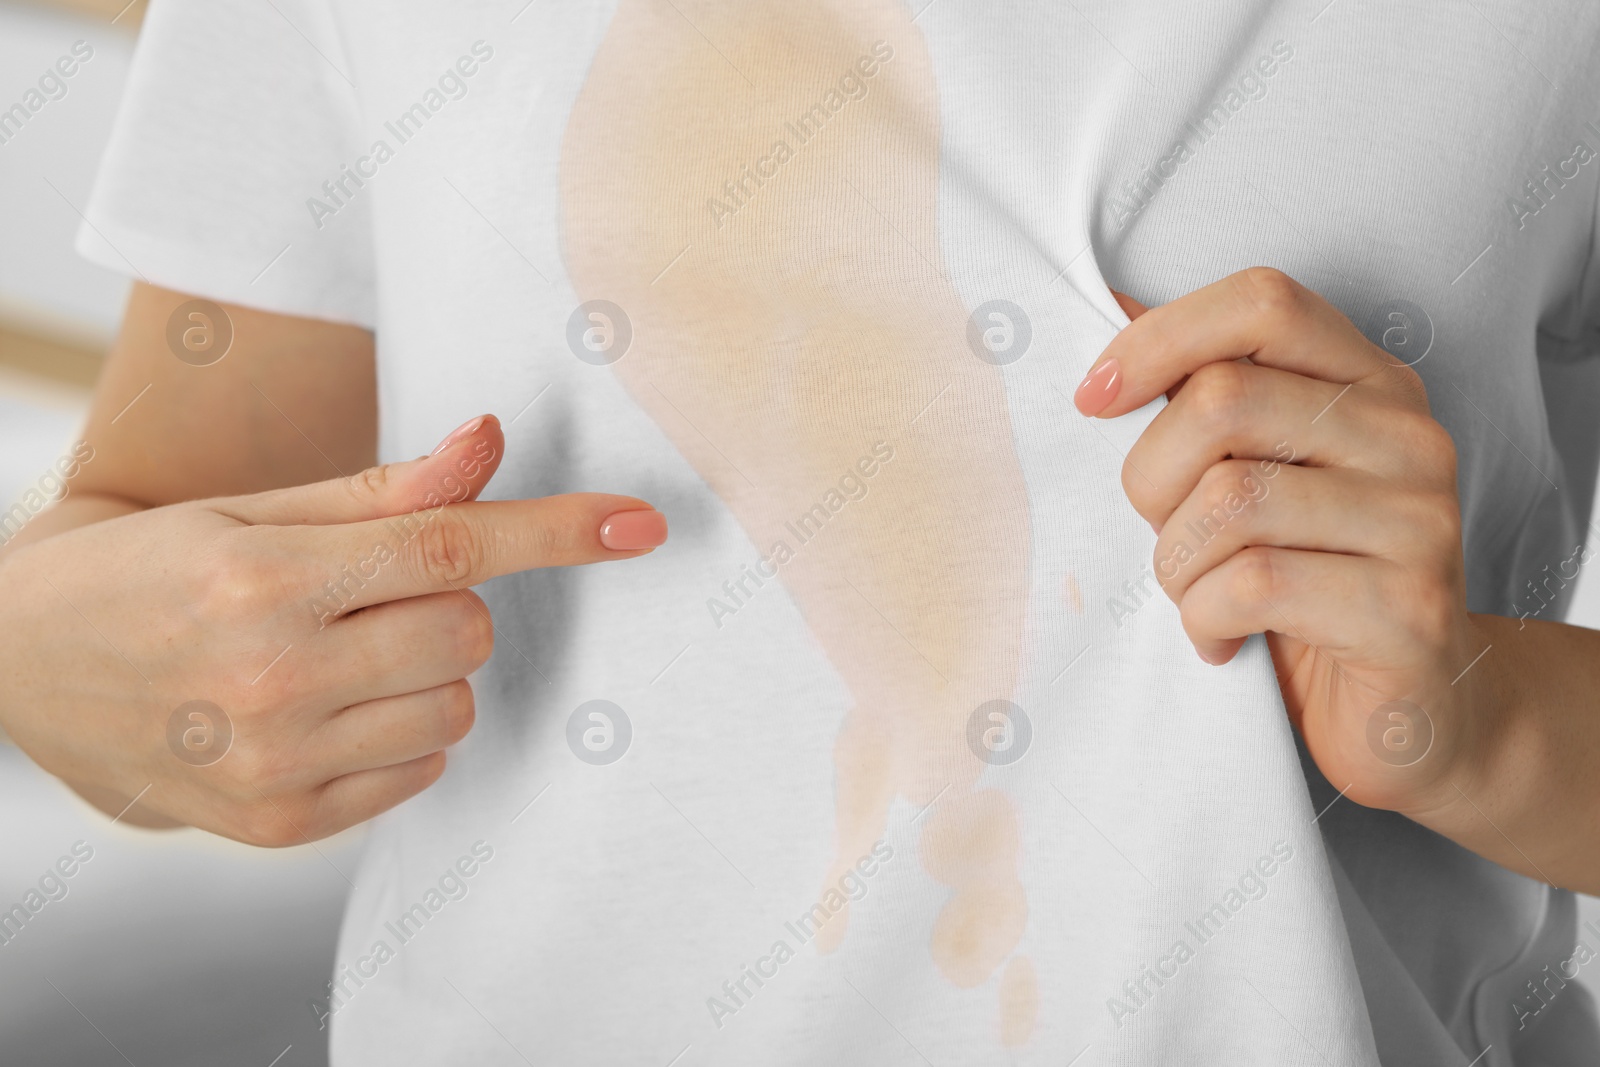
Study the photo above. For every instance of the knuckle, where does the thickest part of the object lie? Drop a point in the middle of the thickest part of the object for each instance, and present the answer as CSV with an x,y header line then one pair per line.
x,y
1255,576
237,586
1270,292
447,549
1436,519
1218,394
1423,444
460,711
1407,383
369,483
472,629
1436,445
1139,492
1203,613
1196,618
1226,488
427,771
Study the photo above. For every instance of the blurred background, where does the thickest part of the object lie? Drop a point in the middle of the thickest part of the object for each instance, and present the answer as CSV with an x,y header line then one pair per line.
x,y
169,948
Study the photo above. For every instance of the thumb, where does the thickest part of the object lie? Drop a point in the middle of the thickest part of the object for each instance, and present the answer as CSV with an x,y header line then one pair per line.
x,y
1133,309
457,470
1130,307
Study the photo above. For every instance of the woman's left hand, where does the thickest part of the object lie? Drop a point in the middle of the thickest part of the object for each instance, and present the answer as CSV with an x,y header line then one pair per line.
x,y
1300,488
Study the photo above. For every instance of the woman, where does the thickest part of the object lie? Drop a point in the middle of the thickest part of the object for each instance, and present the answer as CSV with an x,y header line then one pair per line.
x,y
900,750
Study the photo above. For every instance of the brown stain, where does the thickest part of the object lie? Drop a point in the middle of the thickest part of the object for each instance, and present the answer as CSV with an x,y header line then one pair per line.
x,y
1073,594
1019,1002
778,348
971,842
977,929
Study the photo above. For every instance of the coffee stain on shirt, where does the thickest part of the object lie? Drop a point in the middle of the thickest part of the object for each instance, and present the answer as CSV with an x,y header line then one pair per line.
x,y
1072,594
757,187
1019,1001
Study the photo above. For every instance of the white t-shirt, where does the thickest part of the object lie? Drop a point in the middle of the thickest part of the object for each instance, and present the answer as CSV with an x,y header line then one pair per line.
x,y
900,755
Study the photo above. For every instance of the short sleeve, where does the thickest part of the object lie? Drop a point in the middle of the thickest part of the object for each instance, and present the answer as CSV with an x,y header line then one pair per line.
x,y
227,171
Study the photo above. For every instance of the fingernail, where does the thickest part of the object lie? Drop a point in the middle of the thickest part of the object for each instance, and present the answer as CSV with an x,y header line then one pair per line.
x,y
1205,657
1098,388
466,429
629,531
1156,529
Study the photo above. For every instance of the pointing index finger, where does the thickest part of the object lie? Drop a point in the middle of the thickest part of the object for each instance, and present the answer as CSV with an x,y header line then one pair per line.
x,y
1260,313
460,545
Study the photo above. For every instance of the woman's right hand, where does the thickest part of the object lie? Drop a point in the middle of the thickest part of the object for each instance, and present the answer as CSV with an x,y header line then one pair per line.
x,y
328,630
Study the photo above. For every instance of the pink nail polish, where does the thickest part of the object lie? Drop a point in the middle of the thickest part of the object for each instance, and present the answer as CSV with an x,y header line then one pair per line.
x,y
466,429
1098,388
629,531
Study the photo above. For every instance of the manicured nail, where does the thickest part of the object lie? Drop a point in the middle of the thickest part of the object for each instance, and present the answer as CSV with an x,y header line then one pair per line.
x,y
1205,657
629,531
1098,388
466,429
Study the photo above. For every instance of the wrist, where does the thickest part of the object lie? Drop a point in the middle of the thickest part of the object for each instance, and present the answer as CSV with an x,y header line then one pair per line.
x,y
1496,762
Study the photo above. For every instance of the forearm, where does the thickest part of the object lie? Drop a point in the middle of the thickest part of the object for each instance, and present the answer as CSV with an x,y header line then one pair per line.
x,y
1528,797
293,402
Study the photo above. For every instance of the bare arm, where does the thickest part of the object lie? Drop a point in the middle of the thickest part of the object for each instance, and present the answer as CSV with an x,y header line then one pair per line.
x,y
177,638
293,401
1528,797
